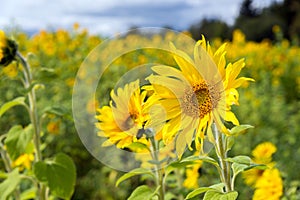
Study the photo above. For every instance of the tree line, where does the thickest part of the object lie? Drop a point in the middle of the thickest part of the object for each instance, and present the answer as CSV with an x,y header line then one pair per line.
x,y
256,23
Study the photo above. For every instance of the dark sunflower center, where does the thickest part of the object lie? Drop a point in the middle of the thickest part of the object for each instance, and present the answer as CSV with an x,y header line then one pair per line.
x,y
200,100
129,122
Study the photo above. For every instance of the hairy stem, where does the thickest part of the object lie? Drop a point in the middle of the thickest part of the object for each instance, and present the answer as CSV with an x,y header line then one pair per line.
x,y
220,145
158,171
33,114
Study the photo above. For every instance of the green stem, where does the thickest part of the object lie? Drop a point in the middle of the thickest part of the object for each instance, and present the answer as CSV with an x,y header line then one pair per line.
x,y
220,145
33,118
158,171
32,106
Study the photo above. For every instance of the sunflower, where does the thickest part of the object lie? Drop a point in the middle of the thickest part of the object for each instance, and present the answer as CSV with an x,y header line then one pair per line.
x,y
124,121
262,154
2,44
200,93
269,186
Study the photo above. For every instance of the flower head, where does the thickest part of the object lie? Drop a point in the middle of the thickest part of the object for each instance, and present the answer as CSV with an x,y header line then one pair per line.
x,y
263,152
200,93
126,118
8,49
269,186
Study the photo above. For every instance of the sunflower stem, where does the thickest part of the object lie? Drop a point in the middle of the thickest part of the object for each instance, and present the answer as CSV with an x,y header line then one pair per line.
x,y
221,146
159,175
33,114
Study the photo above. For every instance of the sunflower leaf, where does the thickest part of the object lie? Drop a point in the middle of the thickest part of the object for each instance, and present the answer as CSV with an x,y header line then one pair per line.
x,y
134,172
143,192
216,195
18,140
241,129
59,174
197,192
246,160
15,102
9,184
178,164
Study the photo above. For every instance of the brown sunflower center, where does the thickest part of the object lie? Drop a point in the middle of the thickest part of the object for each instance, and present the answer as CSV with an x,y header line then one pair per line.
x,y
200,100
129,122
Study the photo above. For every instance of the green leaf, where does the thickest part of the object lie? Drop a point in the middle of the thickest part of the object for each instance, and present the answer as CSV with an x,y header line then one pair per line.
x,y
59,174
177,164
137,145
170,196
230,142
190,159
257,166
219,187
241,129
240,159
10,184
29,194
209,160
203,158
196,192
132,173
238,168
15,102
142,192
17,140
56,110
216,195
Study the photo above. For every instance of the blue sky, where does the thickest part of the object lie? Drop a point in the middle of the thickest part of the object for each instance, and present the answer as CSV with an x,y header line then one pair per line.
x,y
108,17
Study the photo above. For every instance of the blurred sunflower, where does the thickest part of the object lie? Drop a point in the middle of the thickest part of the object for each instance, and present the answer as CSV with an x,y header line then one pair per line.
x,y
8,49
198,94
124,121
2,44
269,186
192,175
262,154
24,161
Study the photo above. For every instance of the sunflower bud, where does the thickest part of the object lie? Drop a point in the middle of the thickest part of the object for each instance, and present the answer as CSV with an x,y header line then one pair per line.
x,y
8,50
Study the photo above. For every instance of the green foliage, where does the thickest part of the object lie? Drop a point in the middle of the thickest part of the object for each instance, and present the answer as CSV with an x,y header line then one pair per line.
x,y
58,174
241,129
17,101
217,195
134,172
19,140
213,192
143,192
8,186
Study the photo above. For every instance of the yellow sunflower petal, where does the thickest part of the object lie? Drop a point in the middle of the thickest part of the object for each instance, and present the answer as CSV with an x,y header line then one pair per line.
x,y
230,117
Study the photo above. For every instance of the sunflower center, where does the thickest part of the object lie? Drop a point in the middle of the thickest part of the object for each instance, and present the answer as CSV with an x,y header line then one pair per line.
x,y
200,100
130,121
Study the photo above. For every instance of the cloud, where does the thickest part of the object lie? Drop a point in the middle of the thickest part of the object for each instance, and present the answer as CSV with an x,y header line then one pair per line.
x,y
109,17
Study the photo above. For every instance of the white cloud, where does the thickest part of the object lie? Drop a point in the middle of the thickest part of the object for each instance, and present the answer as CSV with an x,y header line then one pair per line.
x,y
109,17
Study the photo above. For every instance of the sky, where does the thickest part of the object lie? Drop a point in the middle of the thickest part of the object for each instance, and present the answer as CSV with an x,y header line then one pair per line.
x,y
108,17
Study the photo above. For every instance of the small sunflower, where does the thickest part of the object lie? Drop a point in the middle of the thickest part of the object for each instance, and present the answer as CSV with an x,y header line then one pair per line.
x,y
200,93
126,118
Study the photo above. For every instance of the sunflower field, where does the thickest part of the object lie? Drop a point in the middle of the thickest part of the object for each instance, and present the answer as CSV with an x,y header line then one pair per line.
x,y
253,154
